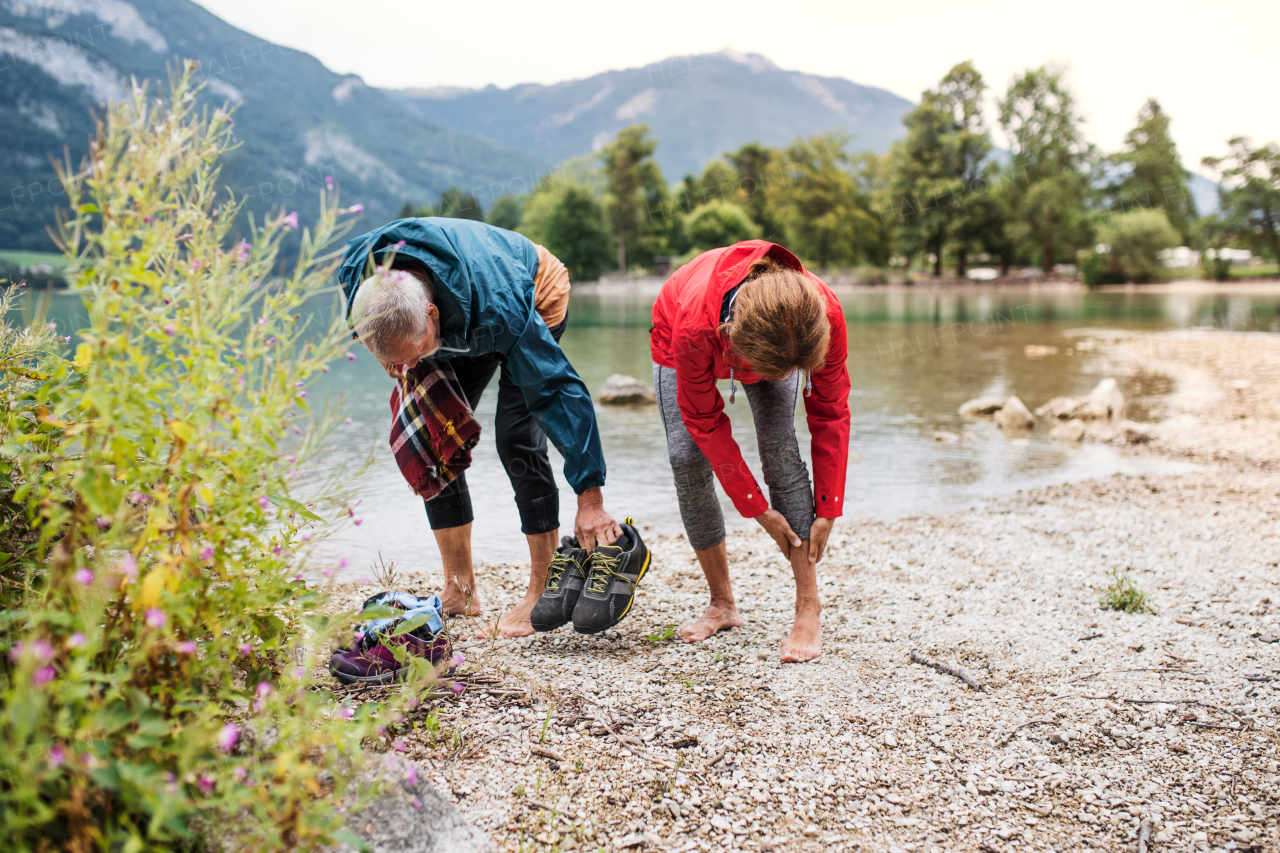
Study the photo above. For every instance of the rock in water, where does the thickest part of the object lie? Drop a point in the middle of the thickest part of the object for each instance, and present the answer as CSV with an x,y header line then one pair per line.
x,y
1072,430
619,390
981,407
1106,395
410,816
1015,415
1059,407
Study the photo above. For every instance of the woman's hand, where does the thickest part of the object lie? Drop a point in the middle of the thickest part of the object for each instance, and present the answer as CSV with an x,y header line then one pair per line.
x,y
818,535
776,526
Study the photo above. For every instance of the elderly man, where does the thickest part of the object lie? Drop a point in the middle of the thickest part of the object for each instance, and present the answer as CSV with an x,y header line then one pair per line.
x,y
482,298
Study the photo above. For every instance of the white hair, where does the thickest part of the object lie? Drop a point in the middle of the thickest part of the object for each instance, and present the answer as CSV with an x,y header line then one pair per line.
x,y
390,307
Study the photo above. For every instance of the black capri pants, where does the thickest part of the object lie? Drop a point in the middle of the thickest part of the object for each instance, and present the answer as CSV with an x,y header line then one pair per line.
x,y
522,447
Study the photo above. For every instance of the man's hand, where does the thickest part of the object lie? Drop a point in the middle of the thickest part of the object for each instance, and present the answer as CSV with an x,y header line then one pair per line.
x,y
594,525
395,371
776,526
818,535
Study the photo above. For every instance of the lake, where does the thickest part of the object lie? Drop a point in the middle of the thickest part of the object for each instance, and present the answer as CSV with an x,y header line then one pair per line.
x,y
915,354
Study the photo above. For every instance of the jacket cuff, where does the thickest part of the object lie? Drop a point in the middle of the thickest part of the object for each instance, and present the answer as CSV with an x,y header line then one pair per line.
x,y
826,505
750,504
583,485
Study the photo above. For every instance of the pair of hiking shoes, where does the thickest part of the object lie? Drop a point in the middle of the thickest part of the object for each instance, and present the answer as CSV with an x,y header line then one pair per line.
x,y
593,590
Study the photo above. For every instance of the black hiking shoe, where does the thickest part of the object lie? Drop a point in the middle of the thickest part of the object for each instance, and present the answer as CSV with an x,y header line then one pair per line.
x,y
612,577
566,576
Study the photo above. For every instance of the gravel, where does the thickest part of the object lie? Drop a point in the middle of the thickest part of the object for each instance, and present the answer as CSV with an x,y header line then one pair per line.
x,y
1089,722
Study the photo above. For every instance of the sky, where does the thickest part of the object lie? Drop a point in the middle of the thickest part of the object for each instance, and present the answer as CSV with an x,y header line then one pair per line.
x,y
1213,66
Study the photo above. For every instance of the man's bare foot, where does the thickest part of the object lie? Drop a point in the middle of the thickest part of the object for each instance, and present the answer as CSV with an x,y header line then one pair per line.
x,y
805,642
514,623
459,601
717,617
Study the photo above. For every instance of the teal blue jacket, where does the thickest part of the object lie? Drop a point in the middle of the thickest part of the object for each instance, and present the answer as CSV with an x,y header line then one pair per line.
x,y
483,278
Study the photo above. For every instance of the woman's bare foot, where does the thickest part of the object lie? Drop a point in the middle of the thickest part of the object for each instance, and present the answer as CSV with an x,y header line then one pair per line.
x,y
717,617
805,642
514,623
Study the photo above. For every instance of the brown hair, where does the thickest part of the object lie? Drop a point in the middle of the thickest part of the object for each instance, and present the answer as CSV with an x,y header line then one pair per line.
x,y
779,321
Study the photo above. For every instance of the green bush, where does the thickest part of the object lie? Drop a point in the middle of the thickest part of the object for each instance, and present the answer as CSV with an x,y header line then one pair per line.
x,y
569,221
1123,594
1134,241
716,224
158,643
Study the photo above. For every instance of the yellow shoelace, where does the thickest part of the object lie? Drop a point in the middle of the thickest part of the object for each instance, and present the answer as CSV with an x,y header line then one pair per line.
x,y
602,568
560,564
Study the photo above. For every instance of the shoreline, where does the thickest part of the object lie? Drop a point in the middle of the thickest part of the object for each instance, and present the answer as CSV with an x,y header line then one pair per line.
x,y
720,746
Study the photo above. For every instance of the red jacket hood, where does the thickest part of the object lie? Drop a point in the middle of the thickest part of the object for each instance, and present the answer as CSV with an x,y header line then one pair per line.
x,y
731,267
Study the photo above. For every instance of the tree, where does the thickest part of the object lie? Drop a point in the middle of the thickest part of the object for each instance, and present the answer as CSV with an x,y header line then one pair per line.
x,y
757,166
818,202
1133,243
459,204
507,211
635,190
940,165
1051,159
574,231
1250,192
718,223
1150,174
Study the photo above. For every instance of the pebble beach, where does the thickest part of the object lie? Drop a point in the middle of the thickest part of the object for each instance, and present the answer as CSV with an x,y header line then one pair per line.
x,y
1048,722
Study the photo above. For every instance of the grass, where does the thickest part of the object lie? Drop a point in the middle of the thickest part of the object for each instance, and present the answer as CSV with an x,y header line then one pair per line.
x,y
1237,272
55,260
666,635
1123,594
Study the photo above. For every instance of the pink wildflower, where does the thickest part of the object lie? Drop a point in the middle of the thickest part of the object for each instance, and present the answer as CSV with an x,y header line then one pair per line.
x,y
399,746
205,784
264,501
291,220
351,356
57,754
76,640
416,803
457,687
207,554
346,713
302,393
357,521
169,330
242,250
357,208
263,688
362,580
187,647
228,737
412,775
156,617
400,244
347,421
196,264
43,675
342,562
240,773
246,649
300,672
84,576
328,182
129,567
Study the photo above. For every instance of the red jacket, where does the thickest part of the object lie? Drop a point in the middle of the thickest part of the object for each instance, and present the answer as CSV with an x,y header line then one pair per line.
x,y
686,337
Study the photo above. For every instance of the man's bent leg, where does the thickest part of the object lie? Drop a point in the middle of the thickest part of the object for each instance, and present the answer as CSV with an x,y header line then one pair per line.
x,y
522,447
805,640
459,595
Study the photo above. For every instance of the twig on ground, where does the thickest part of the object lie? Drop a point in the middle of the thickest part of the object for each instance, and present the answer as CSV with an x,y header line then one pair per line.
x,y
1089,637
724,750
949,669
1144,835
603,719
546,752
1008,736
1168,670
538,804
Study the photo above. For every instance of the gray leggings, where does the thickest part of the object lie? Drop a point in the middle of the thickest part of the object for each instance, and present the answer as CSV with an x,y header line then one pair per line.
x,y
773,406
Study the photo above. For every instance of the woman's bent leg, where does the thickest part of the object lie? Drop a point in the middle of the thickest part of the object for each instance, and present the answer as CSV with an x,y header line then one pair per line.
x,y
773,407
699,510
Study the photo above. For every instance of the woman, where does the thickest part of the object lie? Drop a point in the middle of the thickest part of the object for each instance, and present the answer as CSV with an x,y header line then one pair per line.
x,y
752,314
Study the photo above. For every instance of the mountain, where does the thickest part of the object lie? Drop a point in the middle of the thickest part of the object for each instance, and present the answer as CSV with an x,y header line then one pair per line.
x,y
296,120
698,106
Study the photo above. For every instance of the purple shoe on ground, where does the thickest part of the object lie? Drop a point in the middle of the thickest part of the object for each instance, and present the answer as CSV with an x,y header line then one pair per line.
x,y
371,659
